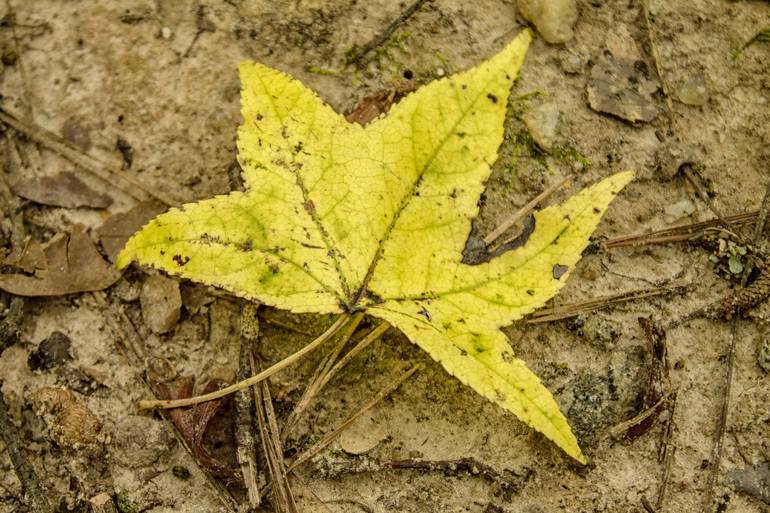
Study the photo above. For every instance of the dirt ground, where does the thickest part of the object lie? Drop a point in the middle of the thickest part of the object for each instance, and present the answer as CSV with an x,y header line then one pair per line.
x,y
160,77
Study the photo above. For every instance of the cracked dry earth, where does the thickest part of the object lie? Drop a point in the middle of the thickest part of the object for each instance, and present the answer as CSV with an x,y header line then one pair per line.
x,y
151,88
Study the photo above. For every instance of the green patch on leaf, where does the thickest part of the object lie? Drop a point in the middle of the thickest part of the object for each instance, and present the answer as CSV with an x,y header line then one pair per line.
x,y
375,219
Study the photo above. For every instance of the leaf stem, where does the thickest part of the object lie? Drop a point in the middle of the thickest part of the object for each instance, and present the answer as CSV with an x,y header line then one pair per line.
x,y
178,403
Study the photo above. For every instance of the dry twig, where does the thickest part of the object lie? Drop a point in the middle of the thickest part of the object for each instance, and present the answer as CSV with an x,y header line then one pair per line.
x,y
523,212
359,53
245,443
565,311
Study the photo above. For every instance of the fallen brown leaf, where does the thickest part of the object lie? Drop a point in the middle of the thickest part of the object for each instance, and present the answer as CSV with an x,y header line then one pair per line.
x,y
72,264
191,422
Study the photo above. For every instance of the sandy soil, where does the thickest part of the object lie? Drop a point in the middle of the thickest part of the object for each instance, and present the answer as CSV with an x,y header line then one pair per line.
x,y
161,76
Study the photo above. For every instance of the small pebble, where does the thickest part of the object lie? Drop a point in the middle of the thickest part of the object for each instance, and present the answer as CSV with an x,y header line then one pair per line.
x,y
165,33
542,122
362,435
678,210
763,354
571,63
694,91
161,303
554,19
51,352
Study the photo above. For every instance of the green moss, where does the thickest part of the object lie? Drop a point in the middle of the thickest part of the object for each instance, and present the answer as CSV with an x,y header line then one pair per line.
x,y
124,504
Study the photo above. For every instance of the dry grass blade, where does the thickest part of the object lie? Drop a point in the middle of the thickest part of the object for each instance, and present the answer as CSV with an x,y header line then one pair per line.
x,y
681,233
759,229
321,372
281,495
330,437
563,312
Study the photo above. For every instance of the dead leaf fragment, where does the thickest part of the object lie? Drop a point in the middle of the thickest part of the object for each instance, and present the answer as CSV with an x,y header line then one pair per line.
x,y
192,422
116,230
621,83
72,264
371,106
61,190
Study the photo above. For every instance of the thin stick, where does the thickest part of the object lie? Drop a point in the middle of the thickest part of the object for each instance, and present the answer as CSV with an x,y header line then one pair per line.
x,y
675,233
666,455
244,408
330,437
178,403
283,499
87,162
562,312
716,454
522,212
315,383
620,430
359,54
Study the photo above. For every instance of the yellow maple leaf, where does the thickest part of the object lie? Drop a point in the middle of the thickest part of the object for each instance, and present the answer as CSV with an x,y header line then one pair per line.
x,y
337,217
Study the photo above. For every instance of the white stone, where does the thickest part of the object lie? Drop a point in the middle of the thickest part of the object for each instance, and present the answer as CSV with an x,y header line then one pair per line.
x,y
554,19
678,210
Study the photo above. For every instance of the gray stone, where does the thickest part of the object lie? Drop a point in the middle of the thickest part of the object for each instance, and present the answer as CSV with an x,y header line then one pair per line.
x,y
161,303
542,122
554,19
694,91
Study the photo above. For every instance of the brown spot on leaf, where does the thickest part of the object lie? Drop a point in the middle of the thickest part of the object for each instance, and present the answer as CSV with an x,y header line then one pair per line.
x,y
507,356
492,97
180,260
499,396
309,207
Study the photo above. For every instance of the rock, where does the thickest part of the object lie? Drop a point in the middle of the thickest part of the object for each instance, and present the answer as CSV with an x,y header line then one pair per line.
x,y
51,352
694,91
763,353
678,210
621,83
161,303
571,63
363,435
554,19
542,122
754,481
